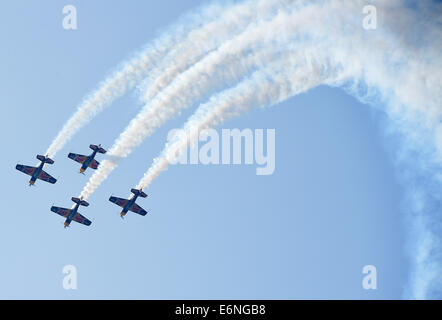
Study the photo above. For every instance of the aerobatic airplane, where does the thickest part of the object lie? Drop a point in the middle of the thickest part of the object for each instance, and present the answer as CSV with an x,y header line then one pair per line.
x,y
73,214
87,161
129,204
37,172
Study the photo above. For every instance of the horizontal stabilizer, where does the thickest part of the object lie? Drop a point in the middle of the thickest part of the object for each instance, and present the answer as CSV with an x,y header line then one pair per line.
x,y
97,148
81,202
45,159
138,192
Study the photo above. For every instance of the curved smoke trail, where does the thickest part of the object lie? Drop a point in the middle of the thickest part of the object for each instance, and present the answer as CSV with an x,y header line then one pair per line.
x,y
205,39
180,45
276,82
397,66
236,58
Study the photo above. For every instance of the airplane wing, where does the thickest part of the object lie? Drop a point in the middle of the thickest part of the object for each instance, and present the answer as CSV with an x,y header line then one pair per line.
x,y
94,164
46,177
77,157
119,201
137,209
83,220
61,211
26,169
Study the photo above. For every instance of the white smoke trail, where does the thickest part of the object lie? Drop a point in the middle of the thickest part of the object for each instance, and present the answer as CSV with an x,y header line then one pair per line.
x,y
205,39
189,32
231,61
399,66
278,81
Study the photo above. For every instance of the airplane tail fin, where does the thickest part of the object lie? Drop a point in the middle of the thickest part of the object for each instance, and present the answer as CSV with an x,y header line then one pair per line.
x,y
138,192
97,148
80,201
45,159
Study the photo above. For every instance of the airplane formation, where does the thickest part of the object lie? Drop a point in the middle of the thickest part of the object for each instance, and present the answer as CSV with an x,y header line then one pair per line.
x,y
86,162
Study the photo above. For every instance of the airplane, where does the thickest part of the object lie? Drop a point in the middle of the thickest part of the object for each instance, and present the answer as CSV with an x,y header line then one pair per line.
x,y
87,161
73,214
129,204
37,172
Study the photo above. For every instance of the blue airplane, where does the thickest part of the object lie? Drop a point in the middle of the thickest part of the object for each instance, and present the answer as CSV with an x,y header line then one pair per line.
x,y
87,161
129,204
73,214
37,172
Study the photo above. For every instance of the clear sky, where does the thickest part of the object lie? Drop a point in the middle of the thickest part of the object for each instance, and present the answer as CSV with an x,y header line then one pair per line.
x,y
332,206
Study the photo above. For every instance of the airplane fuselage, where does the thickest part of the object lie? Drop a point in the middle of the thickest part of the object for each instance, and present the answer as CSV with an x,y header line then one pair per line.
x,y
36,173
88,161
71,215
129,205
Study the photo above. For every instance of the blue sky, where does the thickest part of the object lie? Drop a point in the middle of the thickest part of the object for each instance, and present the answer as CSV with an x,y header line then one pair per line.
x,y
332,206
